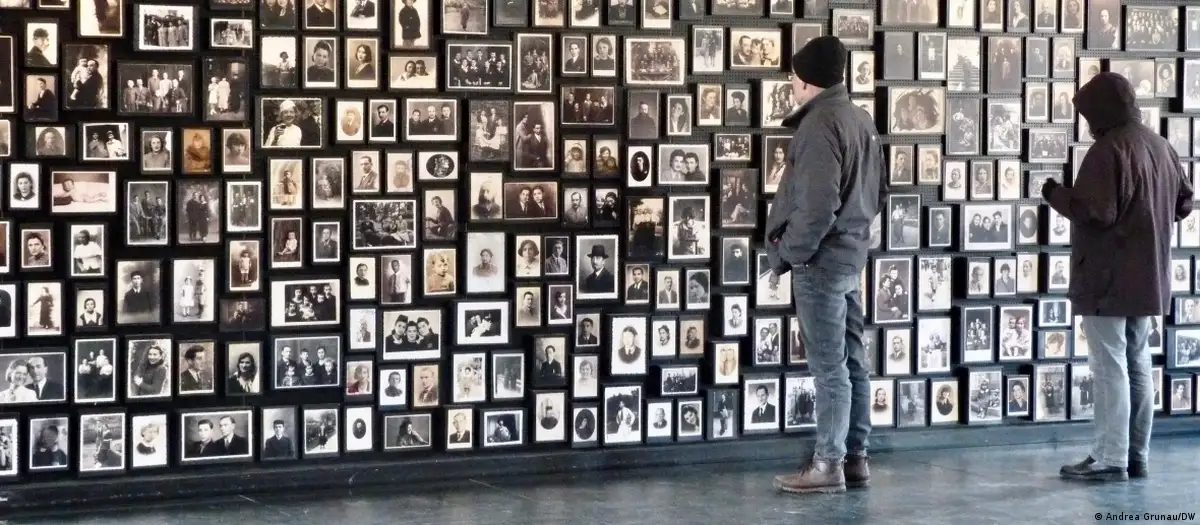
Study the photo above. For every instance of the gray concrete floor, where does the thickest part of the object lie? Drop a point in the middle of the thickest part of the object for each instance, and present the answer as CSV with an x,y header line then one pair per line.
x,y
962,486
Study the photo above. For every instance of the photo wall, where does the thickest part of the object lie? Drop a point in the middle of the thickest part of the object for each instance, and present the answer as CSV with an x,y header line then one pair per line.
x,y
259,232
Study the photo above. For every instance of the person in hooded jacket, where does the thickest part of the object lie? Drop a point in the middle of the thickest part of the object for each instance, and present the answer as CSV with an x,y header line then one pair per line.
x,y
1129,192
819,230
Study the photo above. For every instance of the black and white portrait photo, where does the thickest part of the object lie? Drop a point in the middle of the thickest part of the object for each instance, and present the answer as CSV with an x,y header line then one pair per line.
x,y
479,66
592,106
291,123
49,444
102,442
306,302
165,27
985,397
917,111
482,322
385,224
86,68
503,428
139,292
410,24
919,12
535,65
628,345
412,71
622,414
147,441
912,407
95,370
35,378
216,436
534,137
654,61
762,404
689,236
904,222
598,259
893,286
1104,25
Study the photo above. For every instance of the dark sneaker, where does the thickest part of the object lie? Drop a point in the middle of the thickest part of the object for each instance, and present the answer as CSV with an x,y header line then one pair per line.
x,y
1089,470
817,476
856,470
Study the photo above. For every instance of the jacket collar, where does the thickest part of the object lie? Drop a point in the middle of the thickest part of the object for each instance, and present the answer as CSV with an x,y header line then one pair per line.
x,y
827,96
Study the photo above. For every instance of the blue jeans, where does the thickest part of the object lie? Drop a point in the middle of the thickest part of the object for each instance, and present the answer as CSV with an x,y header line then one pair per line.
x,y
829,309
1123,388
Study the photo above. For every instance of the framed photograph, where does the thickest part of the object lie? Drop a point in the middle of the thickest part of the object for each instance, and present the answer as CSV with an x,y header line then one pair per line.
x,y
534,61
164,27
216,436
893,303
945,401
604,61
479,66
140,284
755,49
243,374
597,258
978,329
313,302
854,26
359,429
426,391
148,440
1083,399
482,322
49,445
291,122
502,427
904,222
399,216
321,424
584,433
984,397
761,413
104,433
1182,400
587,330
410,24
537,151
459,431
628,337
584,381
929,120
303,362
550,411
622,414
986,227
657,61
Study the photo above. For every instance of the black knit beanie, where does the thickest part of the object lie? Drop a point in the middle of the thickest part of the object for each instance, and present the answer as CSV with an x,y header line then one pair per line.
x,y
821,62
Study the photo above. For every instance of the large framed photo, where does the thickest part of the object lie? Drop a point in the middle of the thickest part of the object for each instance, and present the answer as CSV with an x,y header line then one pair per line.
x,y
761,413
306,362
683,164
655,61
534,63
216,436
306,302
917,110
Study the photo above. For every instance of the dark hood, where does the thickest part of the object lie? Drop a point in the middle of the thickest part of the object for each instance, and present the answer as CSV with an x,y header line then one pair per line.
x,y
1107,102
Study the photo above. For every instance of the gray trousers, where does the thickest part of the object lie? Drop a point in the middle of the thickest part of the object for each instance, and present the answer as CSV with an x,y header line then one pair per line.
x,y
1123,388
831,327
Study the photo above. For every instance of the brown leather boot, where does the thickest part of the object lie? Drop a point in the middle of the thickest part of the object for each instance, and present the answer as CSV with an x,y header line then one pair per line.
x,y
858,474
817,476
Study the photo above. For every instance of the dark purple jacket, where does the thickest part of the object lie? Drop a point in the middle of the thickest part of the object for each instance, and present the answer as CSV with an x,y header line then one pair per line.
x,y
1129,193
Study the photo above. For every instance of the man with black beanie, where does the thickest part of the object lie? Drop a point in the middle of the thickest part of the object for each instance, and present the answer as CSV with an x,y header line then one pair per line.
x,y
819,229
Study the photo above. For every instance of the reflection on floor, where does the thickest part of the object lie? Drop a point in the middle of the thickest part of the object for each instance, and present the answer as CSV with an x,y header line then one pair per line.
x,y
975,486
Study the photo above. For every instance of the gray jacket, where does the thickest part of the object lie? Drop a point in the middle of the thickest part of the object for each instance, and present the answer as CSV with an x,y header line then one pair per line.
x,y
834,187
